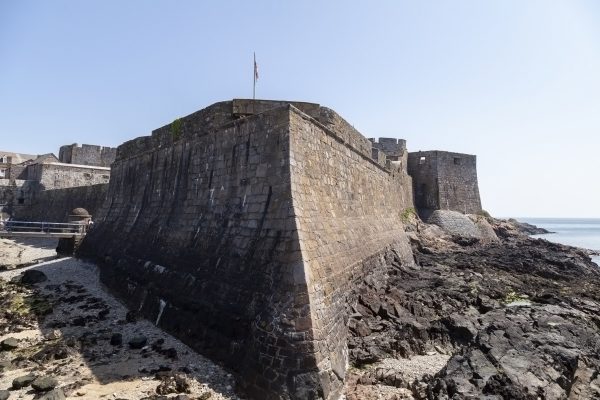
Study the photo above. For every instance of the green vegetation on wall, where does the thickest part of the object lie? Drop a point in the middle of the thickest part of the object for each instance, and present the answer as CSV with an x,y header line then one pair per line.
x,y
176,129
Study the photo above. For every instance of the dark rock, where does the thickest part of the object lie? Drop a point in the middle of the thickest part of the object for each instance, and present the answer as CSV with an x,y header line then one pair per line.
x,y
116,339
5,366
171,353
173,383
44,384
4,394
528,229
138,342
161,368
78,321
33,276
9,344
131,316
519,316
22,381
56,394
52,351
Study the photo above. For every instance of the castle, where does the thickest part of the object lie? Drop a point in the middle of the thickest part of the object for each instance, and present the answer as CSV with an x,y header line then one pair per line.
x,y
43,187
243,228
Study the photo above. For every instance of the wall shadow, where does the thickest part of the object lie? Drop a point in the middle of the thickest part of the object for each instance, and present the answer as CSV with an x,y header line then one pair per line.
x,y
80,321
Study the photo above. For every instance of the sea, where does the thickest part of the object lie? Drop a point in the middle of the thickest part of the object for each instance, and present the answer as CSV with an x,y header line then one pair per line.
x,y
580,232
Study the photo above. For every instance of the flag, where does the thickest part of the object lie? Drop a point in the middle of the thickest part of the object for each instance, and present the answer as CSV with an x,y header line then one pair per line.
x,y
255,68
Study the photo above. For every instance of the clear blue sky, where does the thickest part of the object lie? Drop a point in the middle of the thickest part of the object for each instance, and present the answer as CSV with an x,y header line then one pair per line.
x,y
515,82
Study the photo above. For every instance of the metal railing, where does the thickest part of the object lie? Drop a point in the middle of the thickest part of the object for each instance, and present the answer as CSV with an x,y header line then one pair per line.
x,y
22,228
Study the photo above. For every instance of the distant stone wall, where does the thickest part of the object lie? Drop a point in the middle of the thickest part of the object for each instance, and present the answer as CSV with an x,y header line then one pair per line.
x,y
247,234
87,154
16,194
445,181
17,171
392,147
60,175
56,205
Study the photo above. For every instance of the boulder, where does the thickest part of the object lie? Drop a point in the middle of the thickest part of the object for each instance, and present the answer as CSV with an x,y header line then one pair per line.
x,y
460,225
5,366
22,381
138,342
44,384
4,394
33,276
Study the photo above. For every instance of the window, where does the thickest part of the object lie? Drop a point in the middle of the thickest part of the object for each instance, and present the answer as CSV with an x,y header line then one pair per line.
x,y
422,160
2,173
21,200
457,160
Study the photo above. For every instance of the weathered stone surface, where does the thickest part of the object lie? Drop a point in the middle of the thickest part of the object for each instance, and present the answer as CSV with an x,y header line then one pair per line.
x,y
87,154
242,236
463,226
444,181
56,204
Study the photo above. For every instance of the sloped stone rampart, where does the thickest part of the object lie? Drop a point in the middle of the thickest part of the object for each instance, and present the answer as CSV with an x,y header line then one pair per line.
x,y
227,231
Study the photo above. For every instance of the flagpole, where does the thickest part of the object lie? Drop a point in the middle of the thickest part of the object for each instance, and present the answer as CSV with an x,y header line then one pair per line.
x,y
254,76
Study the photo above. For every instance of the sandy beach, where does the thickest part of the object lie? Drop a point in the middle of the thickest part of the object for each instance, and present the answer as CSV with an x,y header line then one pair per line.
x,y
68,328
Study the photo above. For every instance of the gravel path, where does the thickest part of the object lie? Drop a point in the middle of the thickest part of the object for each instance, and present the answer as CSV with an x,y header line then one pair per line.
x,y
72,342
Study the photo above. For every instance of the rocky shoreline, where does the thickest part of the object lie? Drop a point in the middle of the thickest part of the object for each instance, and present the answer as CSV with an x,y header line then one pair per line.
x,y
516,318
505,317
62,336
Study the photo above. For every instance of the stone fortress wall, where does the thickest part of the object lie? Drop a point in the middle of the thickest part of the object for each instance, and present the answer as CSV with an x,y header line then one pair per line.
x,y
87,154
348,212
199,224
393,148
29,190
444,181
55,205
52,176
245,231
